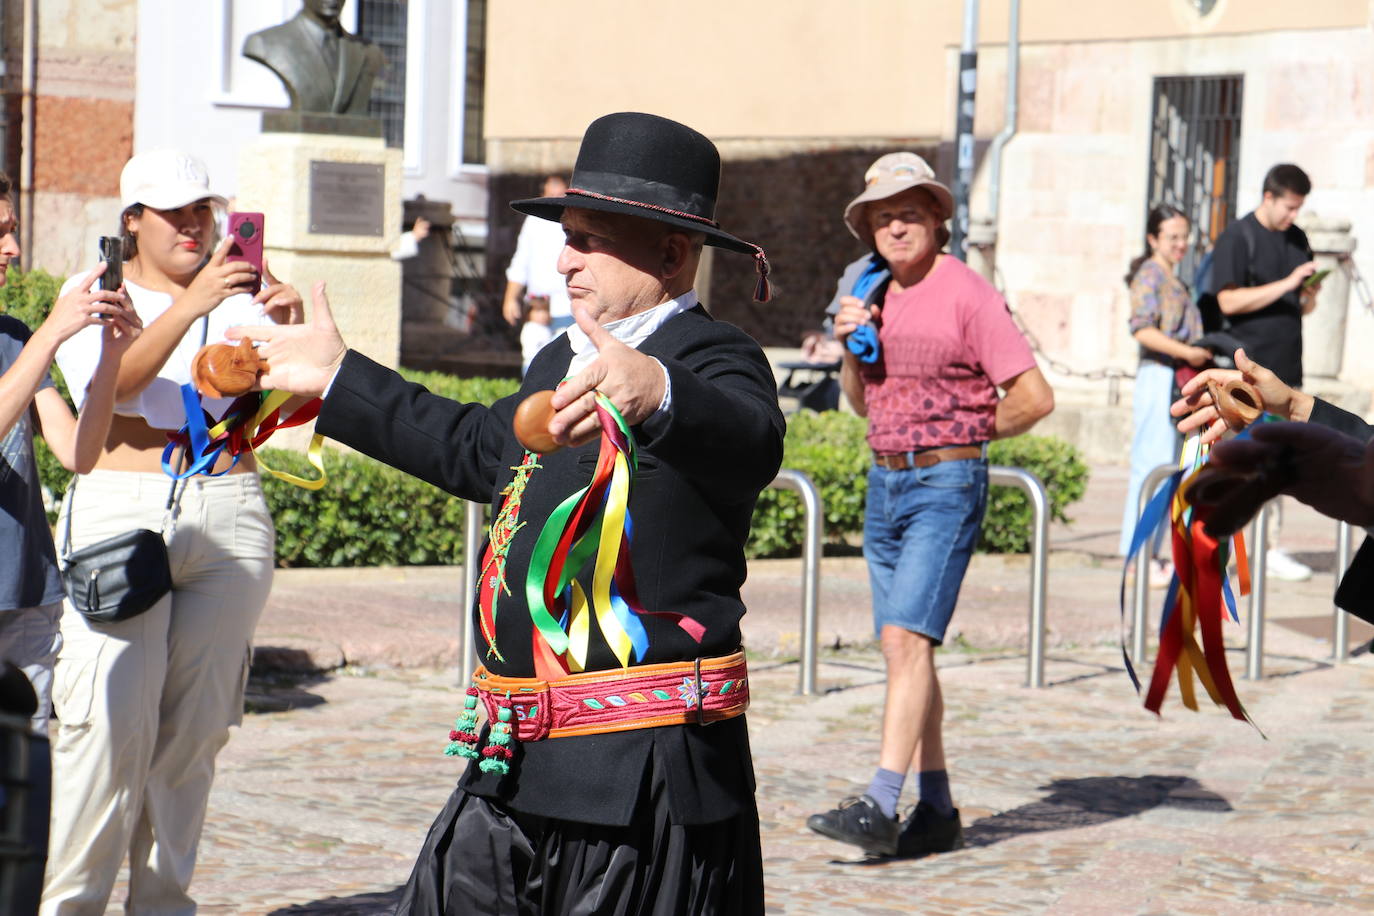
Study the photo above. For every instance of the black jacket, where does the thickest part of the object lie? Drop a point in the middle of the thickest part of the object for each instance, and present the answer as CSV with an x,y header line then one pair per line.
x,y
701,468
1356,591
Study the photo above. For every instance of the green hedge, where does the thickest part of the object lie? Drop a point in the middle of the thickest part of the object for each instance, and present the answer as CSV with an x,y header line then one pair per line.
x,y
29,296
1007,526
369,514
366,515
830,448
467,390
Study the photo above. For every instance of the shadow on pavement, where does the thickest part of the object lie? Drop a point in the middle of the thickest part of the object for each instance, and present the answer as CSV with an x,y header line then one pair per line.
x,y
1094,800
281,691
1075,803
374,904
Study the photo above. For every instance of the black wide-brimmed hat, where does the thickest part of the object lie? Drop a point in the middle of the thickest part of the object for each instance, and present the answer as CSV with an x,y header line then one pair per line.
x,y
653,168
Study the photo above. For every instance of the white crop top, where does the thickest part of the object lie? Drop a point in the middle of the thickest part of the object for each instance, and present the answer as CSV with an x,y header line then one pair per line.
x,y
160,403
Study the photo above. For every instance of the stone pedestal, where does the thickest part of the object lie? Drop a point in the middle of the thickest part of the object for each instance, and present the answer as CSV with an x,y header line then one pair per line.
x,y
276,171
1323,331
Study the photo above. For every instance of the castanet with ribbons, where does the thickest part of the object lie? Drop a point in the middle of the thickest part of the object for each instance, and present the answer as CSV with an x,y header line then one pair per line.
x,y
1199,597
592,523
232,370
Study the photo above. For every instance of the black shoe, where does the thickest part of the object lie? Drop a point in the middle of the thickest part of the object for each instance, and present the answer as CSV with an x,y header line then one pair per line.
x,y
861,822
925,832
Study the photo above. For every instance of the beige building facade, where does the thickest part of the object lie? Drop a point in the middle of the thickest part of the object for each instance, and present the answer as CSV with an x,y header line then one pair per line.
x,y
801,94
69,88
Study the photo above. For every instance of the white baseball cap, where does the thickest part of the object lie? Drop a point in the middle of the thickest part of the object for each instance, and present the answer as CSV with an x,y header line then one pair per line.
x,y
165,179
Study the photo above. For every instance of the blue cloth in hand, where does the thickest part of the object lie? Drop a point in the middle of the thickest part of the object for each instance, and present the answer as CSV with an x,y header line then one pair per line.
x,y
863,343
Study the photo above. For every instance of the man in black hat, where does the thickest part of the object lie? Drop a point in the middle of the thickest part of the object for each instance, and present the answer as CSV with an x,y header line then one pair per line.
x,y
614,774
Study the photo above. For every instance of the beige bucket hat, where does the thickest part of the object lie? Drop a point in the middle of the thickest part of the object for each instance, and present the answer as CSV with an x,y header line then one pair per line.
x,y
888,176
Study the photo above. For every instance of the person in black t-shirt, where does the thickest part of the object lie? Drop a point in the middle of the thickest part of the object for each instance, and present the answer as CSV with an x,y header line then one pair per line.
x,y
1259,266
1258,269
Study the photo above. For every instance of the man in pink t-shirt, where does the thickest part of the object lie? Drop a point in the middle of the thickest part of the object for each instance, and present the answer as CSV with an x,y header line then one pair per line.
x,y
932,344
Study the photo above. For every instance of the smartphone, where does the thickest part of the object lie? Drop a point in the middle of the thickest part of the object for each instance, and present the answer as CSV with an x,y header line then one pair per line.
x,y
246,231
1316,278
112,253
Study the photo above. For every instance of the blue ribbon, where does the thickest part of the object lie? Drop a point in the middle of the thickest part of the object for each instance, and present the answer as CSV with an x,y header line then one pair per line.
x,y
1155,513
199,435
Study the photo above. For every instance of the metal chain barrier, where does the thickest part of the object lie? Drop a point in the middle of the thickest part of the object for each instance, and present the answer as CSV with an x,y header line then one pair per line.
x,y
1111,374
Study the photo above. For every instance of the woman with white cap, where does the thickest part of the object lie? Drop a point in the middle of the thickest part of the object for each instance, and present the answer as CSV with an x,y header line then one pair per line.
x,y
146,703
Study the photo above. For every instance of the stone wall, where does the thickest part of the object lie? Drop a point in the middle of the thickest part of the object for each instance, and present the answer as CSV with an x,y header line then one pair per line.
x,y
1074,177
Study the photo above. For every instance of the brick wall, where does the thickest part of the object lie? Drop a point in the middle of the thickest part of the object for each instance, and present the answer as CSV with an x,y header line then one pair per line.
x,y
83,133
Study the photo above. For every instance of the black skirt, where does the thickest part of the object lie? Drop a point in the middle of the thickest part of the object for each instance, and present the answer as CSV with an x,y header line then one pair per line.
x,y
483,859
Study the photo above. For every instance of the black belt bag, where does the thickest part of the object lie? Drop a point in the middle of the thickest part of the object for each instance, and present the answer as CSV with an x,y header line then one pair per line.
x,y
118,578
121,576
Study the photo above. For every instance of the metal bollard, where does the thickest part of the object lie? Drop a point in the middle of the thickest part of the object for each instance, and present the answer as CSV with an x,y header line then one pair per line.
x,y
1340,624
1142,564
1254,646
1040,505
472,542
799,482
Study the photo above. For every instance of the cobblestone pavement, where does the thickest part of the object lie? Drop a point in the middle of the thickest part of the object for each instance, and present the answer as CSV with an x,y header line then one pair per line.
x,y
1074,798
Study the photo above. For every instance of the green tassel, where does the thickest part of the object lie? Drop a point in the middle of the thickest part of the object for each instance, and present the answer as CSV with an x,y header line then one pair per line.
x,y
497,753
463,737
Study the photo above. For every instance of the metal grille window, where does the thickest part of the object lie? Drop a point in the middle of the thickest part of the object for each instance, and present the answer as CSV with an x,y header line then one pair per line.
x,y
1195,154
474,145
383,22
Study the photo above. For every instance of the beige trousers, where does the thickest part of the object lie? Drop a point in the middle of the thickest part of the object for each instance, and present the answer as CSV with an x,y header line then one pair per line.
x,y
145,704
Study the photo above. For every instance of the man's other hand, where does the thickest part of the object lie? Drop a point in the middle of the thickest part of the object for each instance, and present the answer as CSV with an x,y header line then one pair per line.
x,y
633,382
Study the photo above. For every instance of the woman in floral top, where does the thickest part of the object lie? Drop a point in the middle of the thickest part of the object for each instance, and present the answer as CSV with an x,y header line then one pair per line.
x,y
1163,320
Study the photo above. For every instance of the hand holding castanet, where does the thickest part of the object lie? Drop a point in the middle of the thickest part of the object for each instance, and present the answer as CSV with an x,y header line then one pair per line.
x,y
531,423
1237,401
226,370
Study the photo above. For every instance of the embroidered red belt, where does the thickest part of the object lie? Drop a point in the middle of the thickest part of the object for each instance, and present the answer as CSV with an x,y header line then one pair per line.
x,y
597,702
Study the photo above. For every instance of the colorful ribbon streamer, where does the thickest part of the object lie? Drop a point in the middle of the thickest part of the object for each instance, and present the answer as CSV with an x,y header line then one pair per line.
x,y
248,423
592,525
1198,597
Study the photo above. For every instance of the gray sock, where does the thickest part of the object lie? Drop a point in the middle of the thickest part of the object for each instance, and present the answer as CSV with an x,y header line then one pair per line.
x,y
885,789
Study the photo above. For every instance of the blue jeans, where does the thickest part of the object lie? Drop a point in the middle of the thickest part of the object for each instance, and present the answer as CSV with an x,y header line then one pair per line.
x,y
920,528
1154,442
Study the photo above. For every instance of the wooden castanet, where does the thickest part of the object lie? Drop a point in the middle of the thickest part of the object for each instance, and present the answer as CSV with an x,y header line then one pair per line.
x,y
532,423
1238,403
226,370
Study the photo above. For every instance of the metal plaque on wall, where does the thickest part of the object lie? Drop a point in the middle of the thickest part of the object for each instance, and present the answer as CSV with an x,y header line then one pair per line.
x,y
346,198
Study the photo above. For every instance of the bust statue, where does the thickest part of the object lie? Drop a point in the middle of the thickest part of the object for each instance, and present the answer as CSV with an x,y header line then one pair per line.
x,y
325,69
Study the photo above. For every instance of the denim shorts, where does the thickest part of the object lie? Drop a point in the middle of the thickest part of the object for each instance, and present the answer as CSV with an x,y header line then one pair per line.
x,y
920,529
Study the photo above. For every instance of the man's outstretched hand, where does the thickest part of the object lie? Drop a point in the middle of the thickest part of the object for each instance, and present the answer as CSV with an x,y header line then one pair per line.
x,y
632,381
301,358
